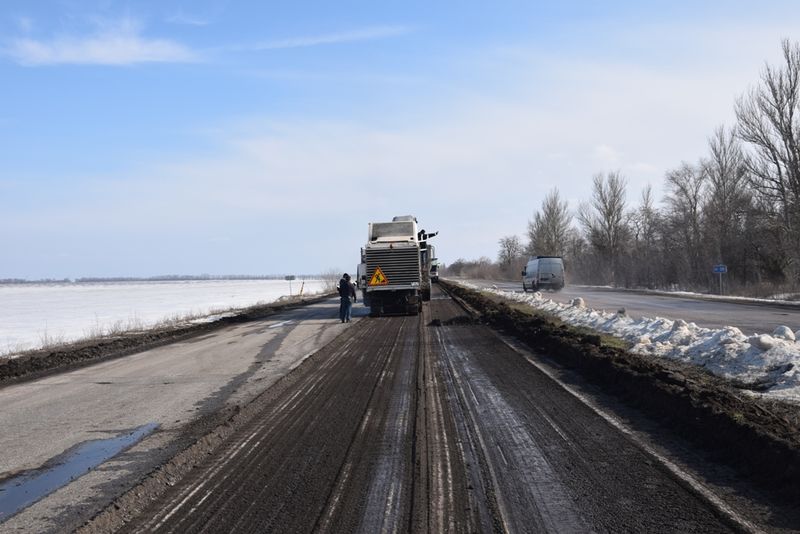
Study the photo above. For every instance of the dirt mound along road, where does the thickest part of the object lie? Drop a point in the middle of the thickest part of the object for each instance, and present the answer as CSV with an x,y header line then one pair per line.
x,y
398,426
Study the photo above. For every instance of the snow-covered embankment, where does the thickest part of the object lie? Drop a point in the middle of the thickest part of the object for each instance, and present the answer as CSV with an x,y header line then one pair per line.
x,y
770,362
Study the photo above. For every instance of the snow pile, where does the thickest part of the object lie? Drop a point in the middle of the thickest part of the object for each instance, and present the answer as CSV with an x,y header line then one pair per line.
x,y
771,363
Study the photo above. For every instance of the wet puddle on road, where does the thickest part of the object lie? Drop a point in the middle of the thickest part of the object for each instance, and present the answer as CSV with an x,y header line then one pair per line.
x,y
25,489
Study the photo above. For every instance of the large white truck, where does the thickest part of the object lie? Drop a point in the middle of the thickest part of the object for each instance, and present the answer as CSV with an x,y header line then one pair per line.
x,y
394,274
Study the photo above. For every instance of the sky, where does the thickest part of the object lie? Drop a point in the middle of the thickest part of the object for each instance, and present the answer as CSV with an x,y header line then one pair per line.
x,y
253,137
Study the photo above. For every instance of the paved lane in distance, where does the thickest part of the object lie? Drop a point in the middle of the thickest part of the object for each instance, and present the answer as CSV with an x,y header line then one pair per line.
x,y
749,317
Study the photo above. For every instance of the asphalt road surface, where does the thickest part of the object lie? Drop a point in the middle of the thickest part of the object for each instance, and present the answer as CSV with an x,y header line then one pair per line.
x,y
44,421
749,317
402,426
396,424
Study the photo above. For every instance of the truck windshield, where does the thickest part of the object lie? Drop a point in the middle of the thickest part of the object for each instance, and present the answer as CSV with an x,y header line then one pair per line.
x,y
392,229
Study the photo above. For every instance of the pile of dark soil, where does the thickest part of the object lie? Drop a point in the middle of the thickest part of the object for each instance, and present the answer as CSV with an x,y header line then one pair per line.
x,y
759,438
35,364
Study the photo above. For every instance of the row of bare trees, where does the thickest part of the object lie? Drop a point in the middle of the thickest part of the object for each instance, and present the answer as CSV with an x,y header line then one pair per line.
x,y
739,205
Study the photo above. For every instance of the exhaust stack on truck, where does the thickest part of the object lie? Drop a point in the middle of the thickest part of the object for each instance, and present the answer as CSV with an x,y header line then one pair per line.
x,y
394,274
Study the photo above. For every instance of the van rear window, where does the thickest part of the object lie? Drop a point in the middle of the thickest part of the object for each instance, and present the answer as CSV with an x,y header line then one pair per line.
x,y
549,263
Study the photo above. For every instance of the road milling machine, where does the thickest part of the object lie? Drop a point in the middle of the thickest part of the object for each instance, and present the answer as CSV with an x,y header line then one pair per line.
x,y
395,271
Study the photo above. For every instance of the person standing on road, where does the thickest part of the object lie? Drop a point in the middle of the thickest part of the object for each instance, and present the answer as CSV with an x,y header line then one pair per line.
x,y
346,292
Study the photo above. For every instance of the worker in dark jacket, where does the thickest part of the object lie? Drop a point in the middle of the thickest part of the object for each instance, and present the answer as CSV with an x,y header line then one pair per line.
x,y
346,292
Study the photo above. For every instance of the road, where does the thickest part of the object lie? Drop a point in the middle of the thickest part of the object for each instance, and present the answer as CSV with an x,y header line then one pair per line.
x,y
171,387
399,426
380,425
749,317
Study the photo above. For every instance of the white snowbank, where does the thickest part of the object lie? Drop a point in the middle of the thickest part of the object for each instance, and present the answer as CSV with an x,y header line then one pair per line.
x,y
770,360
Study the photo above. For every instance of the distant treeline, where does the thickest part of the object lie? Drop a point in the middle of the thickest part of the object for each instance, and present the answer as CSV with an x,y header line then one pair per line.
x,y
42,281
734,211
162,278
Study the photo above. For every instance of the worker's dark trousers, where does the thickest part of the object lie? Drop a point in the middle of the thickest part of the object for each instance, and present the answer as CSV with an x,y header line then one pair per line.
x,y
344,308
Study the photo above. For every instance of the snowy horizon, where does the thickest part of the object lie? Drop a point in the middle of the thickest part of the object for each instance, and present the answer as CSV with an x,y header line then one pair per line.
x,y
160,278
36,315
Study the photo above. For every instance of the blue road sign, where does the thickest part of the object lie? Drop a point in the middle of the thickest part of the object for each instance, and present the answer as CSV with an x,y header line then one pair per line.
x,y
721,268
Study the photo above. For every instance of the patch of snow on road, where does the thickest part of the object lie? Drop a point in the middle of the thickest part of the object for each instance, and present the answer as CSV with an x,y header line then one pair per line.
x,y
771,362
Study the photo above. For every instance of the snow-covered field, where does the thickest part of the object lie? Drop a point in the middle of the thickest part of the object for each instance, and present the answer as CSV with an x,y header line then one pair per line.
x,y
770,360
32,315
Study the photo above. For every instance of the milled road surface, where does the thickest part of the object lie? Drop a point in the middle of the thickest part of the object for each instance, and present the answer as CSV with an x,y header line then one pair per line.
x,y
403,426
332,453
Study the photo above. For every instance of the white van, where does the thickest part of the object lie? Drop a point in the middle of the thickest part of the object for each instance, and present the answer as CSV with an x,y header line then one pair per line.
x,y
543,272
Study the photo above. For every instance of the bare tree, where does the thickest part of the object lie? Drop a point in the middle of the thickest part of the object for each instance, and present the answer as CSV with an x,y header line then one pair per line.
x,y
603,221
768,120
510,251
549,230
644,228
330,279
482,268
685,198
728,199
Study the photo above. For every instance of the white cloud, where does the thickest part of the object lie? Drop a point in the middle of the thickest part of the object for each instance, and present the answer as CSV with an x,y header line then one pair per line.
x,y
642,167
333,75
362,34
493,158
605,155
474,167
188,20
25,24
113,44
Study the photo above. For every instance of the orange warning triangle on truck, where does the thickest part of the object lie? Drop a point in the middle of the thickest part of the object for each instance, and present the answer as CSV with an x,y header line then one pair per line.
x,y
379,279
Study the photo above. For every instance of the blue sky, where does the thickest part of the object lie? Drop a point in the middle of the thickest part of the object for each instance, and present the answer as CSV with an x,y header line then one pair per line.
x,y
144,138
